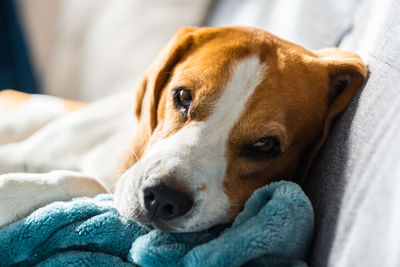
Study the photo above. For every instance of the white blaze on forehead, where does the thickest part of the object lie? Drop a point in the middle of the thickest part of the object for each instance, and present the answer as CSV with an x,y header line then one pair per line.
x,y
195,154
246,77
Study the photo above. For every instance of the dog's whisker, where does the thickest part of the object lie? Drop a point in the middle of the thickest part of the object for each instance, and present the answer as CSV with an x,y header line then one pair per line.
x,y
113,174
133,153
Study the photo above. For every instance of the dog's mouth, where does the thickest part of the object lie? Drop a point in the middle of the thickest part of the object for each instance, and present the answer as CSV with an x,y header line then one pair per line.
x,y
159,226
166,228
176,225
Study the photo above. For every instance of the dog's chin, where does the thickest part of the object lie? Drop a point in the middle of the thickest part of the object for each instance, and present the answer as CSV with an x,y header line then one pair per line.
x,y
173,226
165,226
159,225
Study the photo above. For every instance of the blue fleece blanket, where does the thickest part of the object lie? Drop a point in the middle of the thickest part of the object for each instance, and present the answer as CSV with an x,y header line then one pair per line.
x,y
274,229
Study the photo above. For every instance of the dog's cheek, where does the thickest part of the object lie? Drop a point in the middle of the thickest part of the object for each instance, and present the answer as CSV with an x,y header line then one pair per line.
x,y
126,195
239,188
237,194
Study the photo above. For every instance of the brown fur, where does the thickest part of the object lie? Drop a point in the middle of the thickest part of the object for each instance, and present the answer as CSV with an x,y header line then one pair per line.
x,y
296,102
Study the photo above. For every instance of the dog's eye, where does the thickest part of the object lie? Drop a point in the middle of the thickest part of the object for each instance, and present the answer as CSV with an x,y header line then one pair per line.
x,y
266,147
266,144
182,98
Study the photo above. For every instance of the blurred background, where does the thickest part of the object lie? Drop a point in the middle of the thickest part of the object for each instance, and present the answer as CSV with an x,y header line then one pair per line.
x,y
88,49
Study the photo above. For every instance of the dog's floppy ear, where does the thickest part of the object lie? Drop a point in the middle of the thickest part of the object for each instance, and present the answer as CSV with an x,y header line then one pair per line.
x,y
347,73
152,83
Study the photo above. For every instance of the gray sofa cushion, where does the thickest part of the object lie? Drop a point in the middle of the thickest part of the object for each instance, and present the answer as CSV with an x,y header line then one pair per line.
x,y
313,24
355,183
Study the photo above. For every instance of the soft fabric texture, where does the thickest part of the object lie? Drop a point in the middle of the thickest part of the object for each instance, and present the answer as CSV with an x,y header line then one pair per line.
x,y
91,140
274,229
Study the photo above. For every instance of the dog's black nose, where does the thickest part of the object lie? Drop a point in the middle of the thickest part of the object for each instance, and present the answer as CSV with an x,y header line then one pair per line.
x,y
166,202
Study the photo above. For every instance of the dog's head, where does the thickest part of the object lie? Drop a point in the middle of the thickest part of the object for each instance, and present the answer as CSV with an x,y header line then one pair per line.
x,y
222,112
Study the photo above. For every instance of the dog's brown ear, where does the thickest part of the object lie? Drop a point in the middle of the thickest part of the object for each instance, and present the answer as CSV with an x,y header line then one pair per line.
x,y
150,87
347,73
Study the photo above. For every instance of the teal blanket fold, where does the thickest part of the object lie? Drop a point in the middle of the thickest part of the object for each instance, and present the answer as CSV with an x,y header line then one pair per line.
x,y
274,229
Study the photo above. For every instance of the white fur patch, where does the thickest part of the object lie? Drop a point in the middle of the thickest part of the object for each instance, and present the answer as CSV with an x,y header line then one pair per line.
x,y
195,155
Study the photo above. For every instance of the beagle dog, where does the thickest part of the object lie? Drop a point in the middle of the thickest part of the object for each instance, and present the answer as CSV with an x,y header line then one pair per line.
x,y
222,112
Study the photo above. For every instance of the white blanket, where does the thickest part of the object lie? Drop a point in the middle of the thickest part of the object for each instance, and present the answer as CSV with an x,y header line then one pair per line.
x,y
90,140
